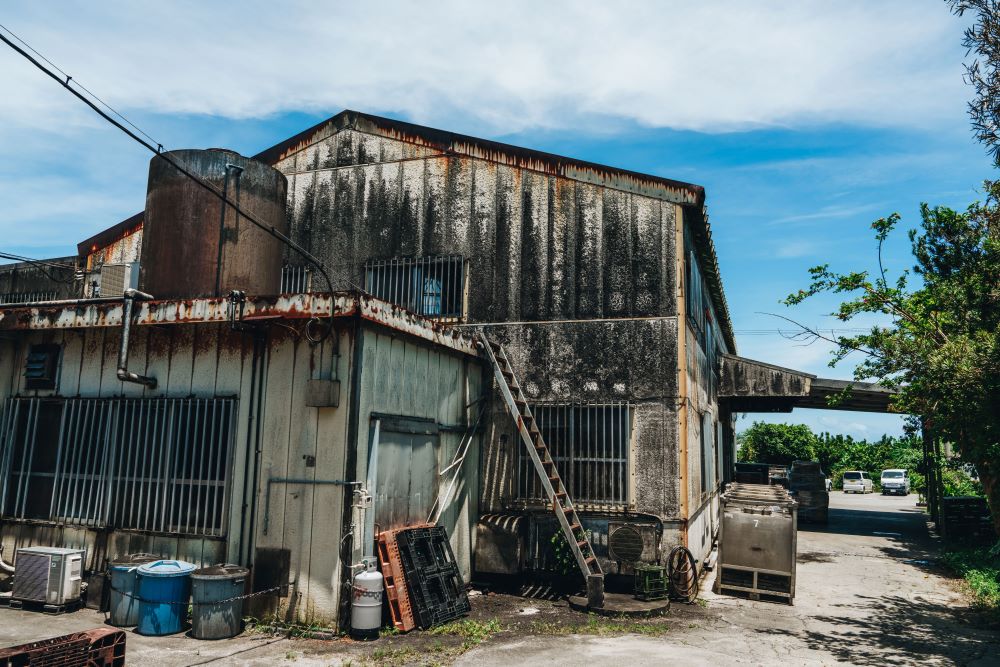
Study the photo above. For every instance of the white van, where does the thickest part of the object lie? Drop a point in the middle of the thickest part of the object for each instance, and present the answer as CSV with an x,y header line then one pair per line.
x,y
858,481
895,480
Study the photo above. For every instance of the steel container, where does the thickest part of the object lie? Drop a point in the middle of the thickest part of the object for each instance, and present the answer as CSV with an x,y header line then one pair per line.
x,y
757,543
123,600
217,601
195,246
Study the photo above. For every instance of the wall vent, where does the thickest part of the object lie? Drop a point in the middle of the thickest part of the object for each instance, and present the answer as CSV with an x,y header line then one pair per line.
x,y
625,544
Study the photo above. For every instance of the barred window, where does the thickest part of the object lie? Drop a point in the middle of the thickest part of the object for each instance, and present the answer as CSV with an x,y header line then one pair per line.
x,y
429,286
590,446
295,279
158,465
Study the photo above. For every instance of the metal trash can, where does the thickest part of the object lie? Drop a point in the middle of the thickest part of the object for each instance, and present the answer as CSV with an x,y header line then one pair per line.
x,y
123,600
757,543
215,614
164,587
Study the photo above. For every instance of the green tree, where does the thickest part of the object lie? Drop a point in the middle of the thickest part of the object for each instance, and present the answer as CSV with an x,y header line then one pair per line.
x,y
779,444
940,349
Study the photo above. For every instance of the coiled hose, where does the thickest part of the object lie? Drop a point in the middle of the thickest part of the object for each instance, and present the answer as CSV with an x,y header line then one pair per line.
x,y
682,572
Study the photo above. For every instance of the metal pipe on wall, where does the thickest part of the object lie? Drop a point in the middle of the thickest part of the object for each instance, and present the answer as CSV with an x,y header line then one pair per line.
x,y
123,372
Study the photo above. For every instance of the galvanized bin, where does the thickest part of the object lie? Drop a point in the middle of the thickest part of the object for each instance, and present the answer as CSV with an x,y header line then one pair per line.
x,y
124,599
217,601
757,543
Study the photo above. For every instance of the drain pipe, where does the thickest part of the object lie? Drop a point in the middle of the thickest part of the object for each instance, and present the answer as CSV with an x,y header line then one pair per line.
x,y
5,568
123,372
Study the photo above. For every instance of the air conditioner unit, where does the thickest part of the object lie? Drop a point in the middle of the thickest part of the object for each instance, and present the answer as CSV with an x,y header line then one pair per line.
x,y
48,574
116,278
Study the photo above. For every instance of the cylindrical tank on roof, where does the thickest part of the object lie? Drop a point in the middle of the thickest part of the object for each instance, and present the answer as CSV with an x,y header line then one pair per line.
x,y
192,245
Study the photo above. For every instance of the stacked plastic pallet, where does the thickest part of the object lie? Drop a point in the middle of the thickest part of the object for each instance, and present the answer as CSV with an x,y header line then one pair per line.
x,y
423,583
807,483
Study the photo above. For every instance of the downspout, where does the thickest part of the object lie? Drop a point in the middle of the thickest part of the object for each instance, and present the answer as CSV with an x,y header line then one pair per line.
x,y
123,372
5,568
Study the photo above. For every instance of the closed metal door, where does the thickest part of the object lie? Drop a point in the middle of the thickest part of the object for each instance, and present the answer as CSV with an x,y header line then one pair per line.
x,y
407,478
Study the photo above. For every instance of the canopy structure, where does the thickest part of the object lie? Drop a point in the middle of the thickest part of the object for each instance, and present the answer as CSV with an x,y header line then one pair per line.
x,y
753,386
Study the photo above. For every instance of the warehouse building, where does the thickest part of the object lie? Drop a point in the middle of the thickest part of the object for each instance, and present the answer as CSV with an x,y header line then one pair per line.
x,y
601,283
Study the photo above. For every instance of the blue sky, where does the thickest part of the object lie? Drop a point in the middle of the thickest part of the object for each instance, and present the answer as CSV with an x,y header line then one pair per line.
x,y
803,121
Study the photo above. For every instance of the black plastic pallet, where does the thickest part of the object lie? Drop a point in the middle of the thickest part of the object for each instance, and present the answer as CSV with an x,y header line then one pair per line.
x,y
435,584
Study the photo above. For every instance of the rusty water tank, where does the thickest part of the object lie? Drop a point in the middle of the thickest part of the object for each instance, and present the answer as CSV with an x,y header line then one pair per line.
x,y
192,246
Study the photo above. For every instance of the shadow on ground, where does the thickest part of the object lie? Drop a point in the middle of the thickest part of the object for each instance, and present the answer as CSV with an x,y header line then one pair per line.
x,y
910,631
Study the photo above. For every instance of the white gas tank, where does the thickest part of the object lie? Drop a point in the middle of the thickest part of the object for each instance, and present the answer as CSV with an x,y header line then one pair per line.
x,y
366,602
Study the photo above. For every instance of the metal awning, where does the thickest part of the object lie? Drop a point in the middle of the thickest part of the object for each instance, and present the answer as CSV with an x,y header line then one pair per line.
x,y
747,385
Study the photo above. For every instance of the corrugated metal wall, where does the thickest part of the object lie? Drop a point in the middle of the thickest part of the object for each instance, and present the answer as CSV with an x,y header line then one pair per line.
x,y
411,380
540,247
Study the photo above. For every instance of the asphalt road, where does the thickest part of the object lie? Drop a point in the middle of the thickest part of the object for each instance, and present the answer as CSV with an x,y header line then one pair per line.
x,y
868,593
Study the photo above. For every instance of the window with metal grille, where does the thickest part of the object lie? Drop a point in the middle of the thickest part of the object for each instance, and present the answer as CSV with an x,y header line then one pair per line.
x,y
590,446
295,279
429,286
157,465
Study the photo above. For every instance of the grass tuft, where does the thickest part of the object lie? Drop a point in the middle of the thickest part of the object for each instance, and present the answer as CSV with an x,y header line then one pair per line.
x,y
980,567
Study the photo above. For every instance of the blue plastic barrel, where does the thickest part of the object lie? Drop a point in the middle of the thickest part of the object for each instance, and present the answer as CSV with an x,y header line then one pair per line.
x,y
124,602
164,587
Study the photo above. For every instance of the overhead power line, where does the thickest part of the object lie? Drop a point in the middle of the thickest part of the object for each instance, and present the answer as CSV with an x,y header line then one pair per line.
x,y
67,82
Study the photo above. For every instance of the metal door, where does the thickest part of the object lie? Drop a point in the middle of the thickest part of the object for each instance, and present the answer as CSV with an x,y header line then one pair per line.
x,y
407,475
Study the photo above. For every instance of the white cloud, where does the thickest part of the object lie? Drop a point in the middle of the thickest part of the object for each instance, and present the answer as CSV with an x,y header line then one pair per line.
x,y
500,67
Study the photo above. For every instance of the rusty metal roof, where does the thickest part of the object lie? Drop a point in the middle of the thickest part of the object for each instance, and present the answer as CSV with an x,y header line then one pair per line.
x,y
97,313
691,196
108,236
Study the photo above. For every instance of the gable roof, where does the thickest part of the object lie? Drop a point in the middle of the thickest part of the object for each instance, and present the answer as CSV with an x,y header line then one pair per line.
x,y
691,196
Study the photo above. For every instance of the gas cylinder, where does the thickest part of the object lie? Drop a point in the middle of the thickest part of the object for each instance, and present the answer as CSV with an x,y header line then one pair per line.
x,y
366,602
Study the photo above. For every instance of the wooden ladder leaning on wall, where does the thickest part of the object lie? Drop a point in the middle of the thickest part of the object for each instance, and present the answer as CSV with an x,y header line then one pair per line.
x,y
552,484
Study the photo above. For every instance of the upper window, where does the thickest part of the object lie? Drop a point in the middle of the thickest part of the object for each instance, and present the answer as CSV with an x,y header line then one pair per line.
x,y
429,286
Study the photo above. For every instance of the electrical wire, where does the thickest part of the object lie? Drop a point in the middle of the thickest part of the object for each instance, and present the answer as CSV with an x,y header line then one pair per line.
x,y
158,150
78,84
40,263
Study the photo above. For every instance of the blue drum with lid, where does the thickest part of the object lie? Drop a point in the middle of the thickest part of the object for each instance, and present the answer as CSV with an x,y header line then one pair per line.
x,y
164,589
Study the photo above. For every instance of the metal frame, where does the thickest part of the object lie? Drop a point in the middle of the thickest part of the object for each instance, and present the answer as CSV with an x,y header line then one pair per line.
x,y
295,279
159,465
27,297
404,281
597,470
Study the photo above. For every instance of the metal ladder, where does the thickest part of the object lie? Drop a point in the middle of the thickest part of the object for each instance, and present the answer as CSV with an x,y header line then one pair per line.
x,y
552,483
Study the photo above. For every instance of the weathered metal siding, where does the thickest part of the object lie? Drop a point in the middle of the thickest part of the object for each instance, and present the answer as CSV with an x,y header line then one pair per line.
x,y
539,246
25,281
126,248
212,360
404,378
88,367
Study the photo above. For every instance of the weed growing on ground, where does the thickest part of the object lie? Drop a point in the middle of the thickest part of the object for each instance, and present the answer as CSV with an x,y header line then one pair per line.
x,y
981,570
599,625
470,630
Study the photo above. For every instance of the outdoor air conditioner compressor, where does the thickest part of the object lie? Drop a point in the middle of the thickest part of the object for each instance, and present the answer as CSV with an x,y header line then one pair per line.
x,y
48,574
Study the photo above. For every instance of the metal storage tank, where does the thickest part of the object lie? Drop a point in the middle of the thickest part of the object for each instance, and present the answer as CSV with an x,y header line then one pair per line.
x,y
757,543
193,246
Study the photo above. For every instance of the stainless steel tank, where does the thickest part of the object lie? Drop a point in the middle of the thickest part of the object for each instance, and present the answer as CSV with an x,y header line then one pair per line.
x,y
192,245
757,543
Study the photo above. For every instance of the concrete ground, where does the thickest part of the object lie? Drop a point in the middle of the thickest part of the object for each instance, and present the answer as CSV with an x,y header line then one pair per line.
x,y
868,593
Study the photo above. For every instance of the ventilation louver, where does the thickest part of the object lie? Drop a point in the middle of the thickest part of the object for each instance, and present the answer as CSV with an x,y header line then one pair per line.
x,y
625,544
